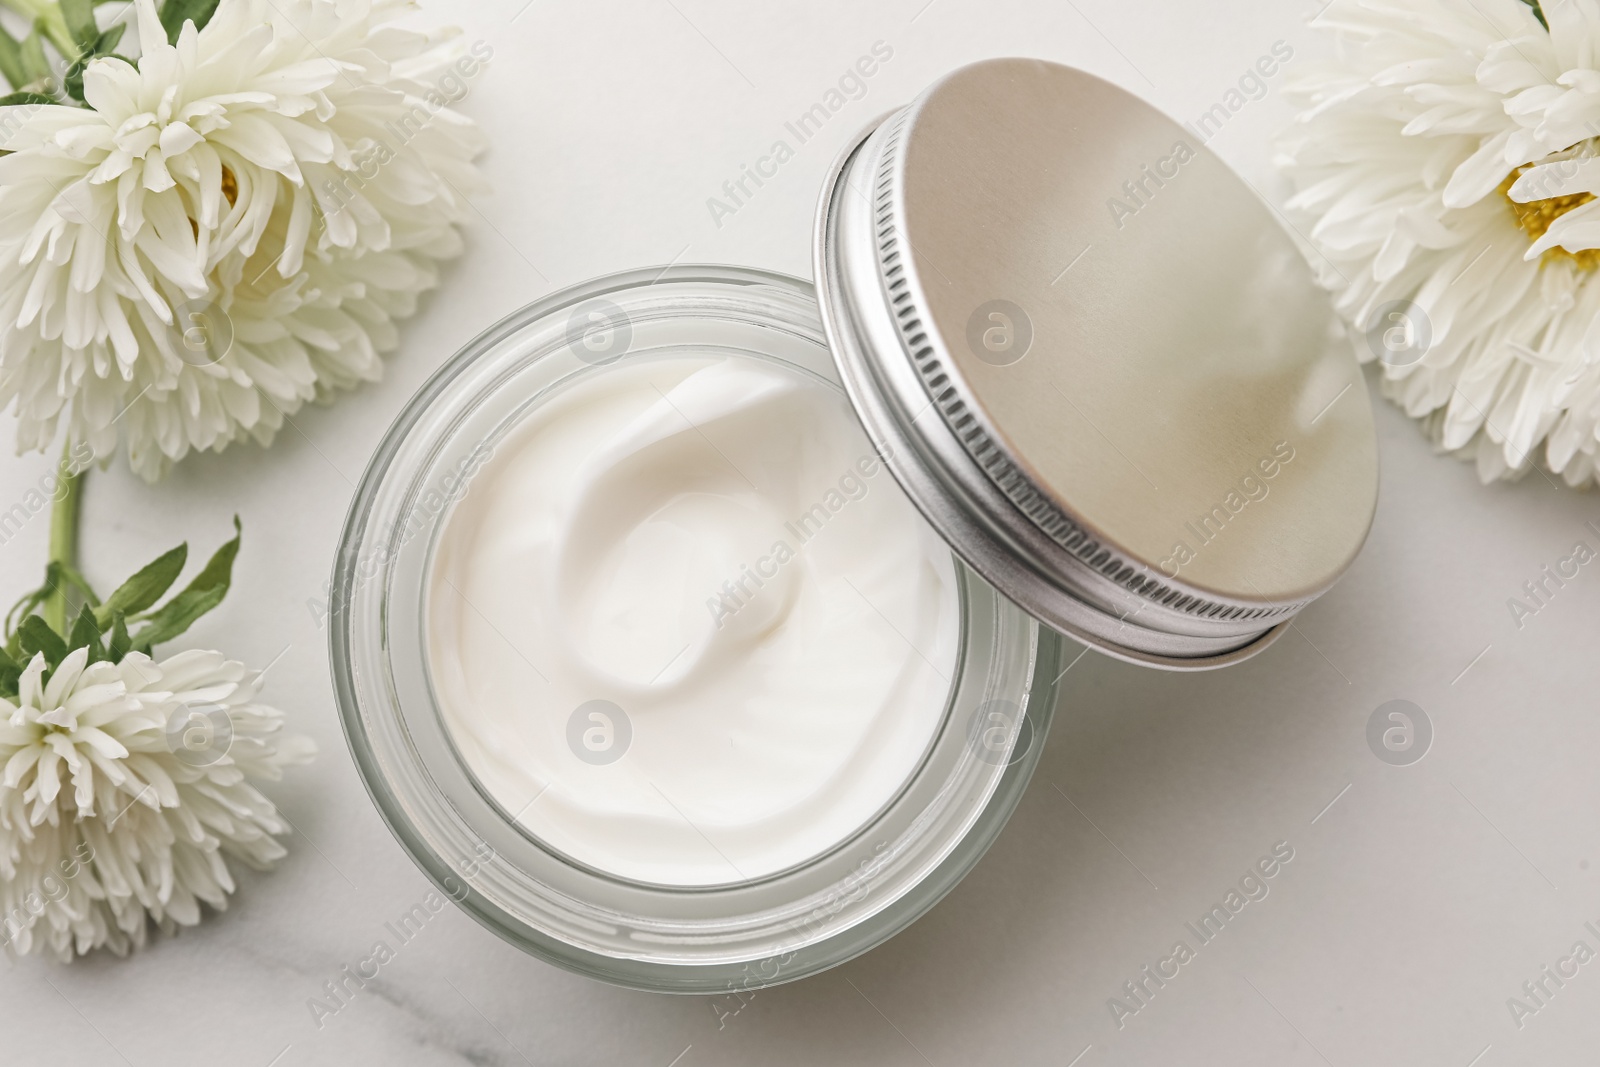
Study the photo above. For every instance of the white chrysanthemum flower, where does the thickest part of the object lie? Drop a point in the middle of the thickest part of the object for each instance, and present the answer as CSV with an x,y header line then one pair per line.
x,y
1445,165
231,228
124,787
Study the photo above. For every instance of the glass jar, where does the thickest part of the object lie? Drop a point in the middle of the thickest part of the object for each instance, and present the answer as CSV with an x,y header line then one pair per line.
x,y
714,939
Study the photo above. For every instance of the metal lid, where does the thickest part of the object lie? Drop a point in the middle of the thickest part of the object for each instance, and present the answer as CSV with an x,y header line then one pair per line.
x,y
1096,363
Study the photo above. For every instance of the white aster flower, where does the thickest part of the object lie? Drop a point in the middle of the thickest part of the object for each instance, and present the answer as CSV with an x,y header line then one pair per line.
x,y
124,787
1445,166
232,227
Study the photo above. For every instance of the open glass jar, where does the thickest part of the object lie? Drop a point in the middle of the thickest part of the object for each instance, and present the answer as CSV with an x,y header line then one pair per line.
x,y
794,922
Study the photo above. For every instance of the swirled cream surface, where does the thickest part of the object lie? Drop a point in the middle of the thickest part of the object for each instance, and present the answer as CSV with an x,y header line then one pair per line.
x,y
685,628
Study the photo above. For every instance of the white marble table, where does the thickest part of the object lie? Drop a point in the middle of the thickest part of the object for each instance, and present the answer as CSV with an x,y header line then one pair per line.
x,y
1418,900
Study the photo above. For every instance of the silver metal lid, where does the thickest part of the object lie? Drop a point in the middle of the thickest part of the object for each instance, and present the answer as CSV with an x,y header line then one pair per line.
x,y
1096,362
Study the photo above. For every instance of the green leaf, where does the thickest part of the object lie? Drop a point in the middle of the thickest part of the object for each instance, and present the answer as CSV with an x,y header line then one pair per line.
x,y
1538,12
37,637
79,16
174,13
86,634
56,575
28,603
197,598
11,60
107,41
145,588
72,82
10,673
121,643
75,578
23,608
26,98
35,67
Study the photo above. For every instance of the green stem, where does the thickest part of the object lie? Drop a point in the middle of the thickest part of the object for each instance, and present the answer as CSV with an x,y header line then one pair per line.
x,y
63,538
48,14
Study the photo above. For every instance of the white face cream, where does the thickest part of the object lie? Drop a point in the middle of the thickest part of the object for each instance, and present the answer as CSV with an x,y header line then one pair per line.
x,y
685,628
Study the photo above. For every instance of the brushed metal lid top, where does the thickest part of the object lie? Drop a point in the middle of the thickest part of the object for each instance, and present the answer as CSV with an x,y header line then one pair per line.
x,y
1096,362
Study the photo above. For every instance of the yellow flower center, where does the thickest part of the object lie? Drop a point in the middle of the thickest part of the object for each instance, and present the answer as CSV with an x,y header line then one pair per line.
x,y
1537,216
230,189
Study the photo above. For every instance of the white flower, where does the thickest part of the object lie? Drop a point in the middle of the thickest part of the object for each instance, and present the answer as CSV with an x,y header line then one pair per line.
x,y
124,786
232,228
1445,162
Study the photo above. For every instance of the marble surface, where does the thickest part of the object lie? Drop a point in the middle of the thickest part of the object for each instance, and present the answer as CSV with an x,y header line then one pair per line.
x,y
1419,898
